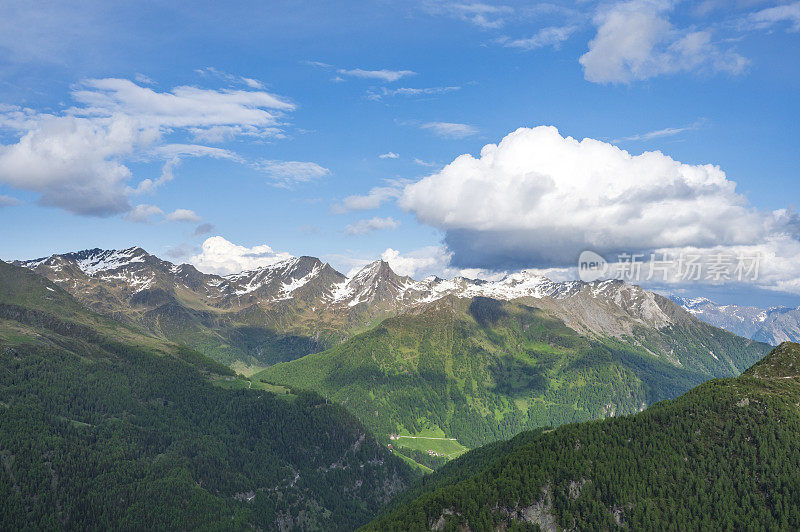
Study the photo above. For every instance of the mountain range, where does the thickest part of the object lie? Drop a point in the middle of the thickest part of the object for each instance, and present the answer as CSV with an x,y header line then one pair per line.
x,y
463,360
772,325
348,387
302,305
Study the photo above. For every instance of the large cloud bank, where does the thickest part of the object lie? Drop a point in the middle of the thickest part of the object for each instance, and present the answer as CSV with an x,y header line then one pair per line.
x,y
537,199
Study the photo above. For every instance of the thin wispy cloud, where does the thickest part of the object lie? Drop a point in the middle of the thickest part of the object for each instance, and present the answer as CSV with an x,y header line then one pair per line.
x,y
230,78
388,155
482,15
363,227
661,133
174,153
181,251
287,173
426,164
381,75
771,16
382,92
551,36
318,64
146,214
450,130
143,80
8,201
373,199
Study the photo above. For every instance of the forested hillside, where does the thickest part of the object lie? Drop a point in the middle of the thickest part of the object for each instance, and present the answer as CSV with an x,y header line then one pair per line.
x,y
102,426
479,370
726,455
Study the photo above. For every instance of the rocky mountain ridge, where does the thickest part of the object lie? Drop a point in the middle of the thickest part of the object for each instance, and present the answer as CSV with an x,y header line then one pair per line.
x,y
302,305
772,325
310,280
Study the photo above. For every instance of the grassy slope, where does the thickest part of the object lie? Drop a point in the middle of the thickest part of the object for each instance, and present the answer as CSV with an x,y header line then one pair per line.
x,y
486,370
102,426
724,455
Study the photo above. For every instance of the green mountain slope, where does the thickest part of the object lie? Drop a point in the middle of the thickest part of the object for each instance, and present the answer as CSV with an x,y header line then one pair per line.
x,y
726,455
103,426
481,370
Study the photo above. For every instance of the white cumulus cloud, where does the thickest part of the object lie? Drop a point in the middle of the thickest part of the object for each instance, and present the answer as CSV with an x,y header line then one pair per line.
x,y
433,260
222,257
430,260
78,159
183,215
635,40
143,213
539,199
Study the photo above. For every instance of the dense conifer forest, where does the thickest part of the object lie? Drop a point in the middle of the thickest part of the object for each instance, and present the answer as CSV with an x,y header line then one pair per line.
x,y
104,427
724,456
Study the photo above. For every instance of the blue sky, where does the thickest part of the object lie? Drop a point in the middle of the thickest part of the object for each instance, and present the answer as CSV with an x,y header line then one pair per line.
x,y
290,105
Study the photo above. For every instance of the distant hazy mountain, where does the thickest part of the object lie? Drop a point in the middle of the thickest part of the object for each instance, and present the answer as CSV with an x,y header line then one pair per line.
x,y
723,456
772,325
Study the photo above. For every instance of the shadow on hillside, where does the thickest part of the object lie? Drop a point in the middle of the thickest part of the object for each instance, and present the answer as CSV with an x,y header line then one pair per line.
x,y
514,377
487,311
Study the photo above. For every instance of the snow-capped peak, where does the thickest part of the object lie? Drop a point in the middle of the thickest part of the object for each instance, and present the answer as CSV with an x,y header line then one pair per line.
x,y
94,261
375,282
280,280
693,303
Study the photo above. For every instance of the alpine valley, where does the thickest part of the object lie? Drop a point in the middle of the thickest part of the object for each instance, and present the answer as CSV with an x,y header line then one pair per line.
x,y
431,367
724,456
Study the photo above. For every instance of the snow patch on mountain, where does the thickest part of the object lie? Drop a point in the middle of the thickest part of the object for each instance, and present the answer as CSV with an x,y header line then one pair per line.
x,y
96,261
137,283
293,284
